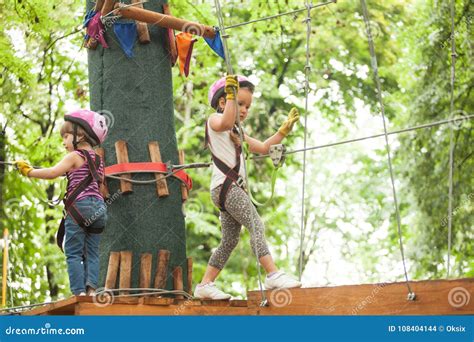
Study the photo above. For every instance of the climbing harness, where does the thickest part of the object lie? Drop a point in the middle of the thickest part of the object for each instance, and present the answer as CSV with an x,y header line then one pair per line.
x,y
232,175
70,199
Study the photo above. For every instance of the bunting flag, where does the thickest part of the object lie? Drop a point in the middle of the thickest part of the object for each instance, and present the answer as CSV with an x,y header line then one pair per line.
x,y
127,35
96,30
87,18
185,42
216,44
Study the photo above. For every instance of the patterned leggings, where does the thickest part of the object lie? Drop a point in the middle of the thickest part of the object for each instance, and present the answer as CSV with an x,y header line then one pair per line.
x,y
239,211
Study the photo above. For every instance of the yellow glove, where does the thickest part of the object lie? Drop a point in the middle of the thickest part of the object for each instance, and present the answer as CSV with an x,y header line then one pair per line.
x,y
231,83
287,126
23,167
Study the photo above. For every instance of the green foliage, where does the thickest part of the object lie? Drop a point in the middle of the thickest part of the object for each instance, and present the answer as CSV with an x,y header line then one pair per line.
x,y
351,233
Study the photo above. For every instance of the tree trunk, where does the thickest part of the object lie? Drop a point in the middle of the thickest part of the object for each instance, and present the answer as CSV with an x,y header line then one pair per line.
x,y
136,96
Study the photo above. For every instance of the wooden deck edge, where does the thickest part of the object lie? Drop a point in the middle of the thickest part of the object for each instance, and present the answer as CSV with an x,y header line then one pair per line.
x,y
433,297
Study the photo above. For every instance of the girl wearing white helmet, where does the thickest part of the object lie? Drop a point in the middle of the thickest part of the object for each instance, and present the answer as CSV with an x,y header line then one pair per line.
x,y
84,222
227,183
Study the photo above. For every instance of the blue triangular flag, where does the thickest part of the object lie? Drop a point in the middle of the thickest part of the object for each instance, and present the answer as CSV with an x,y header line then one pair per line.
x,y
89,15
216,44
126,34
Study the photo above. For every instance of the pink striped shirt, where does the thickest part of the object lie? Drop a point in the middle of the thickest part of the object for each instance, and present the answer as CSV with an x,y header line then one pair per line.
x,y
76,176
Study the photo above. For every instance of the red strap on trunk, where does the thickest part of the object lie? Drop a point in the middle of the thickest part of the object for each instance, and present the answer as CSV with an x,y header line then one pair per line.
x,y
147,167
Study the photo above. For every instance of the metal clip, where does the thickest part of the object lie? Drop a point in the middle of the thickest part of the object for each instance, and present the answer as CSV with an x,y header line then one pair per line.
x,y
169,167
411,296
264,303
240,182
277,154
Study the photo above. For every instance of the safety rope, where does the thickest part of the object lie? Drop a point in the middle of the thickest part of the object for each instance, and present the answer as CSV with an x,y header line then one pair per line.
x,y
121,6
451,138
317,147
176,169
411,294
280,14
224,37
307,69
343,142
148,292
273,178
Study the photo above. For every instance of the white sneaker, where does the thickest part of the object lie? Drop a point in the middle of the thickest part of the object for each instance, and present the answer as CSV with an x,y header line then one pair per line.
x,y
82,294
280,280
210,291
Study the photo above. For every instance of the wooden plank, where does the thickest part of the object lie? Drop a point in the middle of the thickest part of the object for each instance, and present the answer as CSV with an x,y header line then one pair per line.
x,y
125,271
184,189
126,300
172,48
155,157
159,310
162,269
239,303
211,302
433,297
104,189
107,7
189,277
122,157
145,271
166,21
178,280
192,302
98,5
142,28
112,270
158,301
66,305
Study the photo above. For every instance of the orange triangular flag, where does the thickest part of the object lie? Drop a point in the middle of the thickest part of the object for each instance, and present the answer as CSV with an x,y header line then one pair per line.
x,y
185,42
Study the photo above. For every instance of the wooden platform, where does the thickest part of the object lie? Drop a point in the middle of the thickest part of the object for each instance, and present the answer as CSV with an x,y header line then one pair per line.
x,y
433,297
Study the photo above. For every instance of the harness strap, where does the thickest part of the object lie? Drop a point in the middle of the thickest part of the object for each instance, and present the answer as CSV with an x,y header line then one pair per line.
x,y
70,199
232,175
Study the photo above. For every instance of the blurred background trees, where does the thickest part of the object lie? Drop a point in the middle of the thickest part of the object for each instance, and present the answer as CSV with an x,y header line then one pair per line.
x,y
351,234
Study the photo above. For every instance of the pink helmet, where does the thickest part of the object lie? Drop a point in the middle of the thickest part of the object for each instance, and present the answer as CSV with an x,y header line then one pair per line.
x,y
217,89
93,123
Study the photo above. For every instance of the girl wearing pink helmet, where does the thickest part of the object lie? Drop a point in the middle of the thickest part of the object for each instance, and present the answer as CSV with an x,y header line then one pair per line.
x,y
81,228
227,183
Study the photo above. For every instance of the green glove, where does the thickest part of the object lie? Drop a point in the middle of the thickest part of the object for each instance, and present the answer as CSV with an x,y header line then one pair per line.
x,y
287,126
23,167
231,83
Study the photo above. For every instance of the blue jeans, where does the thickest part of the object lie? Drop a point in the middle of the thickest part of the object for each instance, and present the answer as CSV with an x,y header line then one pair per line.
x,y
82,248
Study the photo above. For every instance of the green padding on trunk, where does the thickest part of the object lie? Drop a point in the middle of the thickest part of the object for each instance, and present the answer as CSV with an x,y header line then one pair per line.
x,y
137,96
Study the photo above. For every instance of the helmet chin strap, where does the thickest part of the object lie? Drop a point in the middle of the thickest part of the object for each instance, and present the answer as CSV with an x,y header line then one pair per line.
x,y
74,136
